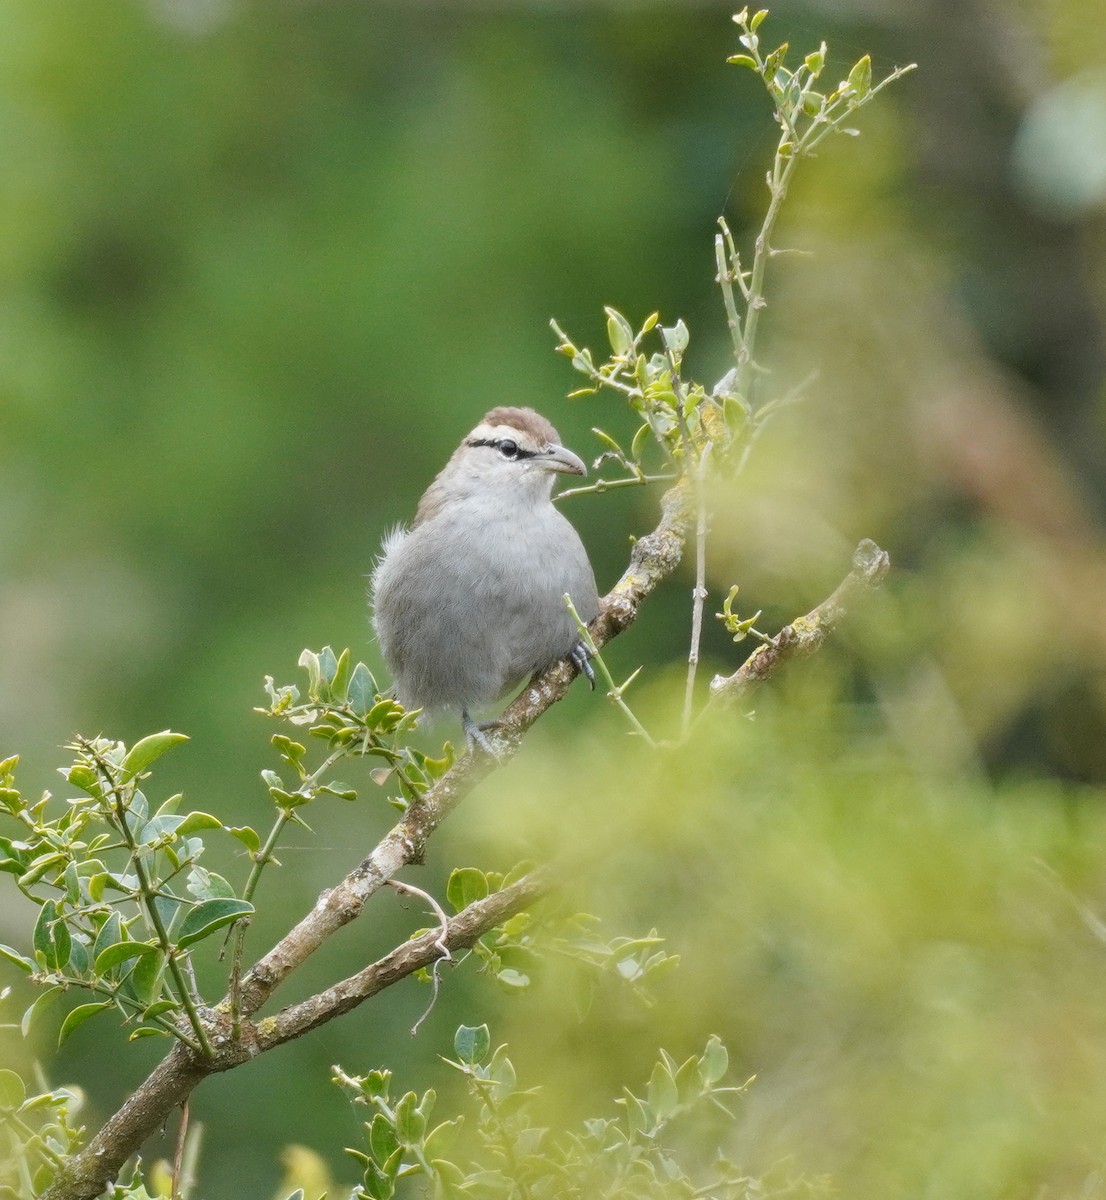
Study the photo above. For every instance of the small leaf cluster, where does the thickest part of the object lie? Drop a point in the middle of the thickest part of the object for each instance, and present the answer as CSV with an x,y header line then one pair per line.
x,y
399,1140
347,710
514,951
805,114
122,898
36,1135
686,419
644,367
739,627
639,962
639,1152
509,951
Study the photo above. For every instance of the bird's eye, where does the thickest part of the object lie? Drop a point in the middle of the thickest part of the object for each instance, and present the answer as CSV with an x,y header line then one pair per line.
x,y
508,448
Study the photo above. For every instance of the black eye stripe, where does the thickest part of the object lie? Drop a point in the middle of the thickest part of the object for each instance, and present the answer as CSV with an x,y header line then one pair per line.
x,y
503,446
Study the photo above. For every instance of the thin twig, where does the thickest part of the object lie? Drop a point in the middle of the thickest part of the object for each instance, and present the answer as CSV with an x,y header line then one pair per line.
x,y
614,690
729,273
409,889
609,485
699,592
178,1156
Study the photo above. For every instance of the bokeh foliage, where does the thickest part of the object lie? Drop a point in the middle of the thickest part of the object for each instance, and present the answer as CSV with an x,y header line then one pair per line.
x,y
260,266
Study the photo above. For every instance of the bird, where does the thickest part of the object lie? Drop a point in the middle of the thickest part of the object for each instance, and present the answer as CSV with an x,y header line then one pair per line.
x,y
468,601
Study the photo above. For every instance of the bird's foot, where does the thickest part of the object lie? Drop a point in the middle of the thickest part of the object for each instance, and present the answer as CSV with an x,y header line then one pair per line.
x,y
580,657
474,733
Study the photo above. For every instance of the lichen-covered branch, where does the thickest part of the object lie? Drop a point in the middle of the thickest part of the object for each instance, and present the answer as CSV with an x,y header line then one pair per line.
x,y
806,634
460,932
171,1082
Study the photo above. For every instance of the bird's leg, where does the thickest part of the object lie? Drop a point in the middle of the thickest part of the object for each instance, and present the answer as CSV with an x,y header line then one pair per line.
x,y
474,733
580,657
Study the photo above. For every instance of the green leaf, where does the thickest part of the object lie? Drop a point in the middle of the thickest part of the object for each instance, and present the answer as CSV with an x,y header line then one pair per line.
x,y
208,916
83,776
309,660
440,1139
247,836
208,885
466,885
382,1138
376,1084
860,77
619,333
14,856
12,1091
77,1017
328,666
676,337
292,752
513,980
158,1007
362,689
383,711
110,932
638,1117
689,1081
812,103
78,958
121,952
742,60
26,965
342,790
754,24
715,1061
471,1043
641,440
662,1094
144,752
392,1166
198,820
410,1123
169,908
376,1184
161,828
51,938
38,867
340,683
72,885
145,980
145,1031
37,1007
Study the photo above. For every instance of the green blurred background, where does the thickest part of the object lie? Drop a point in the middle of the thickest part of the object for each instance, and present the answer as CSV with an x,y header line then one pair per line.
x,y
262,264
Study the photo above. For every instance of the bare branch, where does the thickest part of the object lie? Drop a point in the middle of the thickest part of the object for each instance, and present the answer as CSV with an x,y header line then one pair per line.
x,y
806,634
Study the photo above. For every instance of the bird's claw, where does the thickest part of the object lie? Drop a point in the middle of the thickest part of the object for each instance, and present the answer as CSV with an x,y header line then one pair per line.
x,y
580,657
475,736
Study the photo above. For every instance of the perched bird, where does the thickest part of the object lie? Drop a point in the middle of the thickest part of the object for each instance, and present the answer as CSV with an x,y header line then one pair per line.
x,y
469,601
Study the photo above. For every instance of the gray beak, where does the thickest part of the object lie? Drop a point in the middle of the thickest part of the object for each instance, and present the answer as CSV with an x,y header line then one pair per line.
x,y
563,461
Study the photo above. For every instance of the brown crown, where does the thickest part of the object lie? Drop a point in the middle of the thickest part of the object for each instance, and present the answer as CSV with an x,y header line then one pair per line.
x,y
526,421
